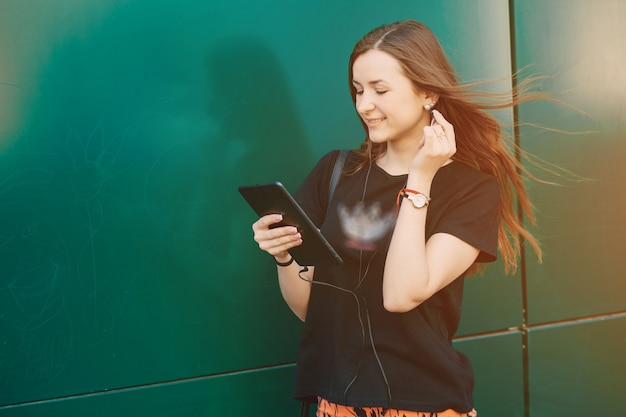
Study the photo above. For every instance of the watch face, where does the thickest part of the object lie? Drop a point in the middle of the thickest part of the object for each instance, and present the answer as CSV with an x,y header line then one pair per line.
x,y
419,200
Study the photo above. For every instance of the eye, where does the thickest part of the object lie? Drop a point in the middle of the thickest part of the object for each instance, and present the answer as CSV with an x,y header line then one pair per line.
x,y
358,92
381,92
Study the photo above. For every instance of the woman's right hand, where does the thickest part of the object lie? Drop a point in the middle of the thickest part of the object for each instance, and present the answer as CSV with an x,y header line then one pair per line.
x,y
277,241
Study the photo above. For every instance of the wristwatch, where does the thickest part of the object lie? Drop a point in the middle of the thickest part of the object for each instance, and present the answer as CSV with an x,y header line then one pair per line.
x,y
419,200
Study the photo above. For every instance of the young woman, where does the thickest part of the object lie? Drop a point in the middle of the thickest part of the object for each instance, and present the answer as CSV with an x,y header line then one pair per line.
x,y
428,196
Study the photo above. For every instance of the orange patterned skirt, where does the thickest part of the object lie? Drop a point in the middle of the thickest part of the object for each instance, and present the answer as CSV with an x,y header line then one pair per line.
x,y
328,409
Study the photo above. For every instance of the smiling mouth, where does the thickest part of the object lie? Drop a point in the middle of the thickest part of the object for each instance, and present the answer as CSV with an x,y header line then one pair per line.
x,y
374,121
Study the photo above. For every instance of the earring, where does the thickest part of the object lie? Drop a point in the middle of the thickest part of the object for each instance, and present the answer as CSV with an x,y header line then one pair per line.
x,y
429,106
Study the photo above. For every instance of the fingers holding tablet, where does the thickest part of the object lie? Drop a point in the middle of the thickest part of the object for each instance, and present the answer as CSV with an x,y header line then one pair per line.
x,y
275,240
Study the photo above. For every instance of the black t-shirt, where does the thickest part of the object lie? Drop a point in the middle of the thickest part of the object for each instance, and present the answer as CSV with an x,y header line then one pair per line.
x,y
353,351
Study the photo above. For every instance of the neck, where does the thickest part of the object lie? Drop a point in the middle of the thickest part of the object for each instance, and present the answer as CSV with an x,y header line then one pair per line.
x,y
396,161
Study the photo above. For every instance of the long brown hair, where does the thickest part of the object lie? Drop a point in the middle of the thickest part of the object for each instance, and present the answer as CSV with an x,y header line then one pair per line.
x,y
480,140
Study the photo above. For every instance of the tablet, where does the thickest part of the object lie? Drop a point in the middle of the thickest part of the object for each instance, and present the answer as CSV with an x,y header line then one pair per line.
x,y
275,199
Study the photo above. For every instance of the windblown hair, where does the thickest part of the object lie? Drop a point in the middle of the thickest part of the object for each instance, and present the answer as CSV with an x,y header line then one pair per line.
x,y
479,137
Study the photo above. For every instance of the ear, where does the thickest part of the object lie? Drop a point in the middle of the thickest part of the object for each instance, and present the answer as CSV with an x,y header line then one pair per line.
x,y
431,97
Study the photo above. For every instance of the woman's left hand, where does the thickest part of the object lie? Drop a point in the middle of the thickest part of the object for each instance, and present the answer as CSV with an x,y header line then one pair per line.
x,y
436,147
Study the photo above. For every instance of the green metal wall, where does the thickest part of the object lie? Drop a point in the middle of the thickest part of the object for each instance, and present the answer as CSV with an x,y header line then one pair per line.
x,y
577,297
129,282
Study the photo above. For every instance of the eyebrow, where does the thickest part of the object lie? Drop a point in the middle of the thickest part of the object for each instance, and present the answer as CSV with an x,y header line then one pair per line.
x,y
374,82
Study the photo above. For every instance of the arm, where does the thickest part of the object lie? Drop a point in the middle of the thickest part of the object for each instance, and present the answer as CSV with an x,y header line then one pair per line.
x,y
415,269
277,242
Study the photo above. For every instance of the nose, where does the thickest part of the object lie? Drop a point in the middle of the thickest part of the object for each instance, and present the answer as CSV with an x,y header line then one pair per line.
x,y
364,103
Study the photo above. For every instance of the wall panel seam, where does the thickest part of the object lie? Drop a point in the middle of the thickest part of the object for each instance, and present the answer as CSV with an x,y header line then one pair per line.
x,y
148,385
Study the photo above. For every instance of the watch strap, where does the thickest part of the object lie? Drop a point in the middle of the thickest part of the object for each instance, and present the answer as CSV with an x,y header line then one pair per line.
x,y
407,192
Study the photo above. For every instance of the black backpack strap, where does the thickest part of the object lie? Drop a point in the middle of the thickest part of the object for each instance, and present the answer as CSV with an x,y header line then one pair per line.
x,y
337,170
304,408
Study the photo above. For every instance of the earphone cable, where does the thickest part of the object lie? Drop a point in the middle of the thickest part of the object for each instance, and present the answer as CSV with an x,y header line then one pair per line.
x,y
380,364
362,325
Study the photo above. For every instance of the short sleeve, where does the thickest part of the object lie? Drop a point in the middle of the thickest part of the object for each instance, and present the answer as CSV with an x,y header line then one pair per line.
x,y
473,217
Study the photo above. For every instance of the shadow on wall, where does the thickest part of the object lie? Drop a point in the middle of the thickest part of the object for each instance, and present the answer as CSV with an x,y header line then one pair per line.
x,y
257,129
254,135
256,114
